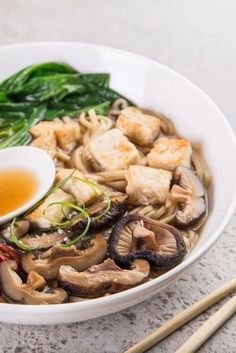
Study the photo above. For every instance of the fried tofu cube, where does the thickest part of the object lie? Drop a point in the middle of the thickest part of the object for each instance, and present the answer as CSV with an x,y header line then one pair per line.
x,y
47,215
44,127
112,151
147,186
140,128
82,191
46,142
169,153
67,136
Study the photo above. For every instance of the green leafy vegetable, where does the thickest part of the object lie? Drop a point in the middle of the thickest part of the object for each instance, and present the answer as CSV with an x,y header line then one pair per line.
x,y
16,132
13,83
45,91
67,220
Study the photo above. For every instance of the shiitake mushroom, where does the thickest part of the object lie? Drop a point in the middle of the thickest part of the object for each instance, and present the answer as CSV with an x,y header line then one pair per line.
x,y
118,208
191,196
31,292
137,237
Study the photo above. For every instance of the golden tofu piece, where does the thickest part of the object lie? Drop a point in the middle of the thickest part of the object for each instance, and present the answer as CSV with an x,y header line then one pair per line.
x,y
46,142
82,191
147,186
169,153
44,127
112,151
140,128
67,136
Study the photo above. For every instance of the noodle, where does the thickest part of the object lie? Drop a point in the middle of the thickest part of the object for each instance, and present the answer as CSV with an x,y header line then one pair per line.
x,y
167,126
190,239
62,155
78,161
94,124
201,168
150,211
160,213
170,214
118,185
113,176
118,106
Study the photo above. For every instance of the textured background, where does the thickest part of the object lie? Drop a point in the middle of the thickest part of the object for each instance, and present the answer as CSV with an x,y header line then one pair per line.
x,y
197,38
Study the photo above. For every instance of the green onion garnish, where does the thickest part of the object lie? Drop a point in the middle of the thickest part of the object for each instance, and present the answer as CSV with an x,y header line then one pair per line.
x,y
82,213
58,185
16,241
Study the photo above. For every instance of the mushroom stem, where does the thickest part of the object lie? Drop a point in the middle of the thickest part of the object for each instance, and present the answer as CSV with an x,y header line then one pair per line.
x,y
106,277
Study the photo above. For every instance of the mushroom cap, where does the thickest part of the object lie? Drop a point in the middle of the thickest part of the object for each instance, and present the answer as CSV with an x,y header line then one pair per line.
x,y
44,239
138,237
48,264
20,229
14,290
191,213
119,206
191,196
188,180
106,277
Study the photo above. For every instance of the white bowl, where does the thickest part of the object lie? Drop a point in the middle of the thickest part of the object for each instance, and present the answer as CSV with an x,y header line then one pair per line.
x,y
196,117
33,160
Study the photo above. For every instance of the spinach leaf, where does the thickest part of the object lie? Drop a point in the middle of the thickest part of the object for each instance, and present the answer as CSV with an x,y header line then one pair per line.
x,y
14,82
46,91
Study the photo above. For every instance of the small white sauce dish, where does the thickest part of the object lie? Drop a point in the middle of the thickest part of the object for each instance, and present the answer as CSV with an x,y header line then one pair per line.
x,y
37,162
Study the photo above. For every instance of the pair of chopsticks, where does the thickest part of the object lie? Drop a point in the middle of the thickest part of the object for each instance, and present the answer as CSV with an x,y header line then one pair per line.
x,y
204,332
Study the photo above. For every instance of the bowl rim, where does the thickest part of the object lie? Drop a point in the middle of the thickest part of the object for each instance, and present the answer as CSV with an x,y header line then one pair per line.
x,y
171,274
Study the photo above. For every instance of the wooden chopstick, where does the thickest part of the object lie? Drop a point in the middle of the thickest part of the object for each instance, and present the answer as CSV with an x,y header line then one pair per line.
x,y
183,317
209,327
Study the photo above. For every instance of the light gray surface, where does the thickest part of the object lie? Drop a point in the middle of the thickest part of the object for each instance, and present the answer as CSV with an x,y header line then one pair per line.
x,y
197,38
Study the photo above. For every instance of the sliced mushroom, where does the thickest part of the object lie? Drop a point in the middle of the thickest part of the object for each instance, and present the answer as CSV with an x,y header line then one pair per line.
x,y
44,240
2,300
189,192
103,278
16,291
138,237
48,264
20,229
119,206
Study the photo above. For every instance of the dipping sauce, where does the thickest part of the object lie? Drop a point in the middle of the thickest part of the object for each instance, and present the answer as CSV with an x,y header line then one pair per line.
x,y
17,186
